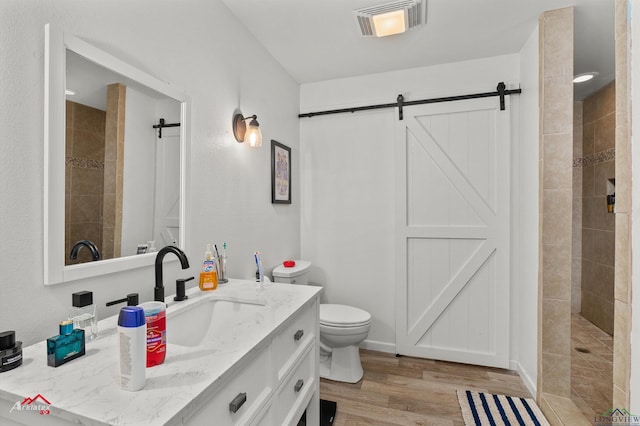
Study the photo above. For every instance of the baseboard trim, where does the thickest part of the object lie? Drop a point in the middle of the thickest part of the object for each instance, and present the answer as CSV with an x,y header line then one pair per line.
x,y
528,381
379,346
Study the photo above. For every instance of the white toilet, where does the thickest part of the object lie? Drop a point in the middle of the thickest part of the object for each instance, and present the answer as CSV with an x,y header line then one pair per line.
x,y
342,329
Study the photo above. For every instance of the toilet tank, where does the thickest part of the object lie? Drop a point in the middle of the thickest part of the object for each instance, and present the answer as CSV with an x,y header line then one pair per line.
x,y
298,274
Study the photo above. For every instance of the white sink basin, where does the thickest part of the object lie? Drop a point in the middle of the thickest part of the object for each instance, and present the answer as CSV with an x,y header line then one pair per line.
x,y
196,324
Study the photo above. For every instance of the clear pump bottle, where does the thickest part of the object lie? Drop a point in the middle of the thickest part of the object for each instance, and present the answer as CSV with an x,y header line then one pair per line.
x,y
83,314
208,276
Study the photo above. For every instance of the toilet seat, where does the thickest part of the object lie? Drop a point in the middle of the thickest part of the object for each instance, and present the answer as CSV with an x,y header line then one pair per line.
x,y
342,316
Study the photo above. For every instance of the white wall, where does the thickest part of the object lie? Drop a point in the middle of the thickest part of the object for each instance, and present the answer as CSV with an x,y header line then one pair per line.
x,y
347,227
524,226
347,214
198,46
139,170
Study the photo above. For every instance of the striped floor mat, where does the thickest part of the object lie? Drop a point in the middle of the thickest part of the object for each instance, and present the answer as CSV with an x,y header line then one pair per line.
x,y
482,409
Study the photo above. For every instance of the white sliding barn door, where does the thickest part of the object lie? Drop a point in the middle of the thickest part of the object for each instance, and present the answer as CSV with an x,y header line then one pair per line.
x,y
167,212
452,201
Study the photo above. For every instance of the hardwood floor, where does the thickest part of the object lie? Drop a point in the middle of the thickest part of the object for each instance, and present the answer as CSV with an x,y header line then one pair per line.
x,y
413,391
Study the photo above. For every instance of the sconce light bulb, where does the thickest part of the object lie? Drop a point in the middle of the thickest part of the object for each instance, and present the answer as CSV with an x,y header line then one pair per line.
x,y
253,135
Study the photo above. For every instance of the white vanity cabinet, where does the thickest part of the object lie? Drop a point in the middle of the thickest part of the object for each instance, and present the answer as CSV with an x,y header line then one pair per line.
x,y
260,369
296,390
238,400
297,368
276,384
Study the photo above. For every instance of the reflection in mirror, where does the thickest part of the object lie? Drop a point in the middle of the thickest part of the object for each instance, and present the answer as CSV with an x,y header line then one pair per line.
x,y
114,188
117,170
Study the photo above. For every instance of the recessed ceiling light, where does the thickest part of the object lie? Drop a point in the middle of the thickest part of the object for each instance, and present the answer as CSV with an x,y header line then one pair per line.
x,y
389,23
581,78
390,18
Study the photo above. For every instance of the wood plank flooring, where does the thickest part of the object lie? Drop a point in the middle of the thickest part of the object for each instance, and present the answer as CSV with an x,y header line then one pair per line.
x,y
413,391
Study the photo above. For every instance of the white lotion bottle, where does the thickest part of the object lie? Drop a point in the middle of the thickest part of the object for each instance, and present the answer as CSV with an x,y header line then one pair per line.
x,y
132,335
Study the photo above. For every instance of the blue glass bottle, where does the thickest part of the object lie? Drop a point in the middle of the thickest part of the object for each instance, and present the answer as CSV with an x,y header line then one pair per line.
x,y
67,346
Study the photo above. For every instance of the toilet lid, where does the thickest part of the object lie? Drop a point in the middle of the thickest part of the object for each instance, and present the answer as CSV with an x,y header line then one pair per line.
x,y
343,316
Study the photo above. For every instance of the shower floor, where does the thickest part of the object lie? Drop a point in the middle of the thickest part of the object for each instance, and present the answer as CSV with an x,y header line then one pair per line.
x,y
591,367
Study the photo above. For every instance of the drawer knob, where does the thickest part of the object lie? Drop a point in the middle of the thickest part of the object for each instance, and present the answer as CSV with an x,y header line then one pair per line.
x,y
298,335
298,385
237,402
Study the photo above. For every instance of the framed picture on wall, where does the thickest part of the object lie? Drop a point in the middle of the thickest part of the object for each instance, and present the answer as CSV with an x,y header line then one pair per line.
x,y
280,173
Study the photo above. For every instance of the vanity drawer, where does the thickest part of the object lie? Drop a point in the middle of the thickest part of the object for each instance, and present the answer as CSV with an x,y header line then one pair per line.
x,y
264,417
295,338
245,393
296,391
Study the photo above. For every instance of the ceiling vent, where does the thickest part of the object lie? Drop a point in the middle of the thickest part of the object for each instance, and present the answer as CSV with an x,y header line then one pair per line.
x,y
390,18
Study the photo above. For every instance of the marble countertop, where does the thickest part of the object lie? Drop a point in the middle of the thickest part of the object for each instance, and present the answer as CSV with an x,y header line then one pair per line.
x,y
86,390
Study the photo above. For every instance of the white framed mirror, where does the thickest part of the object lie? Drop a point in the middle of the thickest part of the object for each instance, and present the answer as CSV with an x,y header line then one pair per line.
x,y
124,188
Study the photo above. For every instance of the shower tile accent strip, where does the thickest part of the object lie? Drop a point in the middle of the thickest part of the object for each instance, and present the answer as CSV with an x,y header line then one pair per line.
x,y
595,159
84,163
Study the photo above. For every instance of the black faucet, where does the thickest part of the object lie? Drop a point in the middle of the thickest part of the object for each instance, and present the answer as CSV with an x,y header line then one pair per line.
x,y
158,290
95,254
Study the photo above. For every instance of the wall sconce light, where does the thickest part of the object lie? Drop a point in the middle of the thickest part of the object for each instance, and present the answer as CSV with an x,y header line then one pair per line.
x,y
250,134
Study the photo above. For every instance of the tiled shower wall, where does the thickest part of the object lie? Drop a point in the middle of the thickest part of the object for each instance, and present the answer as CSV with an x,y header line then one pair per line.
x,y
83,177
622,341
598,226
94,175
576,224
113,171
553,371
556,192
